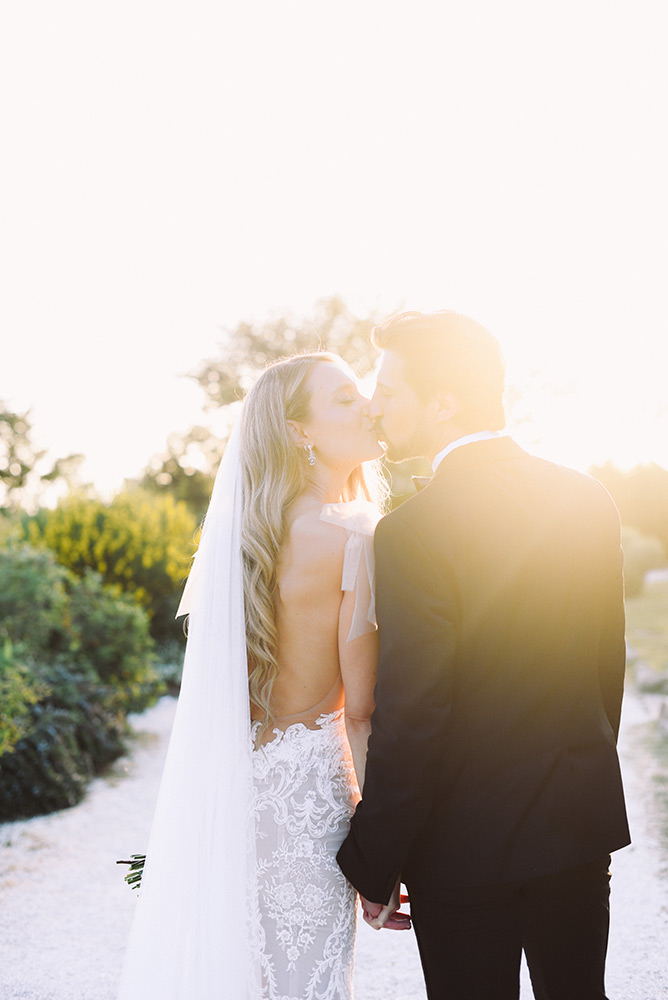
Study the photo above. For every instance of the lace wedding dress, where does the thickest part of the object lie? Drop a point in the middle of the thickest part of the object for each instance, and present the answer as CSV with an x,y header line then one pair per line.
x,y
305,793
241,895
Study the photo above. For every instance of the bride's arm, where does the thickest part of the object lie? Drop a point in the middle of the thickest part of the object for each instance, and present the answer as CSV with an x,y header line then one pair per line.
x,y
359,661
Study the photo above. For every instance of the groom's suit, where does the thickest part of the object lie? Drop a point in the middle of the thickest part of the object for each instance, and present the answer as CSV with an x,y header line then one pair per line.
x,y
492,758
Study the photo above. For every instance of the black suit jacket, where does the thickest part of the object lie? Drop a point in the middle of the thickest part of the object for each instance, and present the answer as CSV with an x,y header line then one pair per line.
x,y
493,749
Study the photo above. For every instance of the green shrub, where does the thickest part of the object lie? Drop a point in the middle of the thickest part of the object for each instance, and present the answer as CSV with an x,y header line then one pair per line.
x,y
140,543
641,553
76,657
110,635
34,605
72,737
19,691
10,527
56,617
169,665
68,729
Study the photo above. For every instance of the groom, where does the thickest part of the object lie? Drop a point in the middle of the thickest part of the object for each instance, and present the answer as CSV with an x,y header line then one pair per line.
x,y
492,786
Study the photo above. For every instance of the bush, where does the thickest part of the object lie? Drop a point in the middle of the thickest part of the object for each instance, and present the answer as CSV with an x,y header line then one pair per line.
x,y
641,553
641,496
18,693
56,617
76,657
169,665
140,544
110,635
72,737
34,605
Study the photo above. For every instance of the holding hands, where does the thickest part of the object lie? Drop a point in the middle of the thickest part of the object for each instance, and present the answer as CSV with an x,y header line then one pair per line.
x,y
390,916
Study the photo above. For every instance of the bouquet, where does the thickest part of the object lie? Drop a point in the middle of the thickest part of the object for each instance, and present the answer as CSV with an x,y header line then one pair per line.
x,y
135,871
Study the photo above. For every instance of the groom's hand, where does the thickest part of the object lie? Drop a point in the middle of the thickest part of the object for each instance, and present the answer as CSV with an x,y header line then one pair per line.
x,y
390,917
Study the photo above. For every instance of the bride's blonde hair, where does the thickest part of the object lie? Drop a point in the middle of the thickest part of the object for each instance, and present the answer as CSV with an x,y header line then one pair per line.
x,y
274,471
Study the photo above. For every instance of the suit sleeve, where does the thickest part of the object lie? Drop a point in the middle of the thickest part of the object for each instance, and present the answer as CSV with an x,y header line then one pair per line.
x,y
417,619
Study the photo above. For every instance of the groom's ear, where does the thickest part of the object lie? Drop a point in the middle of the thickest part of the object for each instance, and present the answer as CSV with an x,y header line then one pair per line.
x,y
446,407
295,429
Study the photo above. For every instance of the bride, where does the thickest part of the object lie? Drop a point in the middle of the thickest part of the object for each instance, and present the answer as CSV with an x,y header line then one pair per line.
x,y
241,896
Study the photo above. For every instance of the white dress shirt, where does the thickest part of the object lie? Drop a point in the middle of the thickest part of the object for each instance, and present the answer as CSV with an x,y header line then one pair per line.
x,y
466,439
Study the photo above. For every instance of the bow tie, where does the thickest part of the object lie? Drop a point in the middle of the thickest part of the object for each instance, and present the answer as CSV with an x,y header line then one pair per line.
x,y
420,482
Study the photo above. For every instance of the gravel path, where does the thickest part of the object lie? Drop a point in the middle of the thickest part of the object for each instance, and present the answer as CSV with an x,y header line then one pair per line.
x,y
65,910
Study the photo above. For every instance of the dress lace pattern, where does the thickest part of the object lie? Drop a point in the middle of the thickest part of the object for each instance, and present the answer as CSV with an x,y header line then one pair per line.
x,y
304,795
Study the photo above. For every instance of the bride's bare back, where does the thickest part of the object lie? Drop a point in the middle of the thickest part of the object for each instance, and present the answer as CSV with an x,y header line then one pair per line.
x,y
308,611
320,668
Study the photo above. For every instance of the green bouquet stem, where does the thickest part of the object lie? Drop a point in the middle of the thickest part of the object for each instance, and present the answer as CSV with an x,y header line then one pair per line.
x,y
136,870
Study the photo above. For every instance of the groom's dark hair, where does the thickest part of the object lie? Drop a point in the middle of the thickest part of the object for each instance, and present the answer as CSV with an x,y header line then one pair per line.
x,y
447,352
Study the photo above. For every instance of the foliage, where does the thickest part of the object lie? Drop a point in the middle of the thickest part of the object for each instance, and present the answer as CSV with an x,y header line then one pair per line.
x,y
34,603
10,527
250,347
76,657
52,616
73,734
140,544
647,625
641,496
135,871
19,691
110,634
169,662
22,469
186,469
641,553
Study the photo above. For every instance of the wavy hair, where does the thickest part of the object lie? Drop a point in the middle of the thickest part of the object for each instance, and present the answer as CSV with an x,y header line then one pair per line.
x,y
274,470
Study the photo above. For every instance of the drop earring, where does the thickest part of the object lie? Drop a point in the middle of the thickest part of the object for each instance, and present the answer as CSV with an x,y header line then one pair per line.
x,y
308,448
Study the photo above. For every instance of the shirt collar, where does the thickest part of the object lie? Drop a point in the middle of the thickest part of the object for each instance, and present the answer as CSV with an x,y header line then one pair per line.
x,y
466,439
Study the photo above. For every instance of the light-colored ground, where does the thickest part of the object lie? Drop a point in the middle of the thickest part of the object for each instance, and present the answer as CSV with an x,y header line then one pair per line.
x,y
65,910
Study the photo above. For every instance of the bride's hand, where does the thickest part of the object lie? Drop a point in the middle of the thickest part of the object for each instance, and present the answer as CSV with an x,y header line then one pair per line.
x,y
390,917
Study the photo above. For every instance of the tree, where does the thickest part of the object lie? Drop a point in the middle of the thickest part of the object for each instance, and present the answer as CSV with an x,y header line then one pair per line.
x,y
187,467
250,347
23,472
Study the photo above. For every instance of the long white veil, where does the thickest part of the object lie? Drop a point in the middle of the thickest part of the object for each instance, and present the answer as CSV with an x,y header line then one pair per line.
x,y
191,937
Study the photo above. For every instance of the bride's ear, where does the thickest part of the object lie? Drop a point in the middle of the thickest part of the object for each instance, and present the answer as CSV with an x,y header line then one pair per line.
x,y
298,435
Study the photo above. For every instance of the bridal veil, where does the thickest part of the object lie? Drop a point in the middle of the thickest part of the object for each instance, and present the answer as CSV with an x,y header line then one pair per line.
x,y
191,937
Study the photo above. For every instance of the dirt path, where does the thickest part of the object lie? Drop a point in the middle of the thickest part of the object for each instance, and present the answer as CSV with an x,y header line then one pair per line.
x,y
65,910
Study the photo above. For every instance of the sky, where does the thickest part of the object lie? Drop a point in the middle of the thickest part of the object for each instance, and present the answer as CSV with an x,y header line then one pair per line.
x,y
170,169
